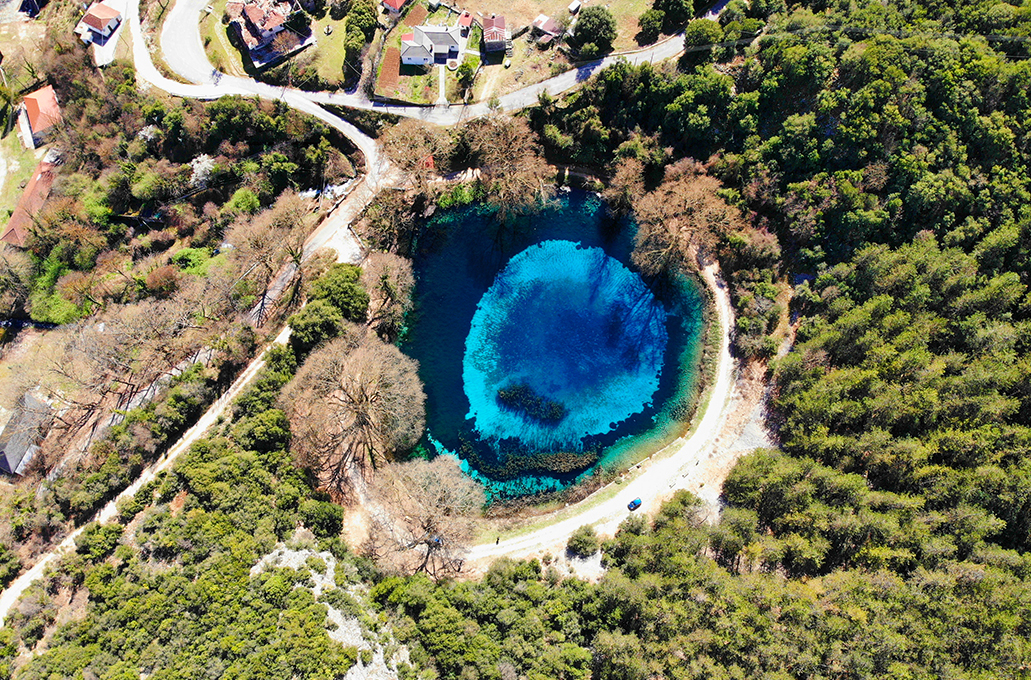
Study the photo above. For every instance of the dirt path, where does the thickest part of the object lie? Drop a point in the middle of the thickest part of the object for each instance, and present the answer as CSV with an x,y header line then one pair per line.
x,y
698,463
493,75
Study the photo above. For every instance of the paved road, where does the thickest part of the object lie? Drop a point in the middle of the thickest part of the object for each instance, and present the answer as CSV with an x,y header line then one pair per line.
x,y
184,53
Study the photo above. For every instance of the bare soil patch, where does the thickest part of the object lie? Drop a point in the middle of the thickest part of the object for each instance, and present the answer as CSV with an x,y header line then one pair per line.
x,y
389,72
417,15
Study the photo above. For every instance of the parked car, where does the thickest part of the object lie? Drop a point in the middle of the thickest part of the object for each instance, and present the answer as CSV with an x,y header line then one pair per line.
x,y
634,504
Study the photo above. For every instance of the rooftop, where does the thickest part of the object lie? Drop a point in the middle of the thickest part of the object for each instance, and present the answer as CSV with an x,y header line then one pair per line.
x,y
42,109
20,437
32,199
99,15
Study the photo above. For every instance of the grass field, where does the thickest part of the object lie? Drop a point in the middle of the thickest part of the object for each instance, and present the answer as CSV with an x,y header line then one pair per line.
x,y
329,52
529,65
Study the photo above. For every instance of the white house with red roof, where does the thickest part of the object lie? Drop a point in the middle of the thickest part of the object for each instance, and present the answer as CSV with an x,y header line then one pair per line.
x,y
39,116
430,44
465,22
99,22
258,23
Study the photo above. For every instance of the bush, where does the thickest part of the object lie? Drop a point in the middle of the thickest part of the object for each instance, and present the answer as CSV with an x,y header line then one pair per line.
x,y
323,519
264,432
651,25
341,287
583,542
243,201
318,322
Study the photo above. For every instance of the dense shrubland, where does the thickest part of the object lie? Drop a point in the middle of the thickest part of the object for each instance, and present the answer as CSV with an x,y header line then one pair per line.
x,y
180,574
666,609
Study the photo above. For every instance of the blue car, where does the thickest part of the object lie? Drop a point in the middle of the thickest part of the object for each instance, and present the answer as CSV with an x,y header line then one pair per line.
x,y
634,504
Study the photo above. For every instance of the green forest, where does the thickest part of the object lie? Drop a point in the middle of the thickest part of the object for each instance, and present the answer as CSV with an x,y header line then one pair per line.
x,y
861,170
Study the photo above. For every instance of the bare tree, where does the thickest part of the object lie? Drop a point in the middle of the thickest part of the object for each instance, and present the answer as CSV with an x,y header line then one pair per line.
x,y
427,516
684,216
515,176
626,186
15,275
389,222
419,149
389,281
264,243
353,404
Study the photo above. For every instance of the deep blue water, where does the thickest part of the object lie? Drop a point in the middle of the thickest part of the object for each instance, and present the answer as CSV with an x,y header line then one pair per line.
x,y
594,364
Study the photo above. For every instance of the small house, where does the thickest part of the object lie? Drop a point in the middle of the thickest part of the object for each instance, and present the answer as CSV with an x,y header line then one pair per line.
x,y
545,27
465,22
39,116
257,23
264,21
23,433
99,22
495,35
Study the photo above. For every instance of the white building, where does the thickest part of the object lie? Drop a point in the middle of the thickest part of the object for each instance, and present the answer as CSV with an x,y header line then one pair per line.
x,y
430,44
99,23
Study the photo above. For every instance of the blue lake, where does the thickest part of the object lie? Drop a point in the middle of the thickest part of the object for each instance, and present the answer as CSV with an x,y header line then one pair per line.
x,y
542,352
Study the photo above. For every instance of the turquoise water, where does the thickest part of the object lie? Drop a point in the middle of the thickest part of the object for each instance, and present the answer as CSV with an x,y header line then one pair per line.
x,y
574,328
543,354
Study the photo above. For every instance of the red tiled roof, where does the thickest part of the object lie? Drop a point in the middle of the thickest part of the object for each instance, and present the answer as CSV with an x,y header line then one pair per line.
x,y
99,15
254,13
395,5
42,109
465,20
272,20
496,21
234,9
32,199
408,37
247,35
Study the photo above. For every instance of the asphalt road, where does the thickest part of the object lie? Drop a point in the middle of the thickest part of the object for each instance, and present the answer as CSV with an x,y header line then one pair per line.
x,y
184,53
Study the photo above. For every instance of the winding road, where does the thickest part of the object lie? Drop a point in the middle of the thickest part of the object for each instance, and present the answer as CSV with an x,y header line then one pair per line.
x,y
676,467
184,53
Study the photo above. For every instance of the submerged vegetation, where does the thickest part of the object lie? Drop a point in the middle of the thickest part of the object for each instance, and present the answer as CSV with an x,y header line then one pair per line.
x,y
523,399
